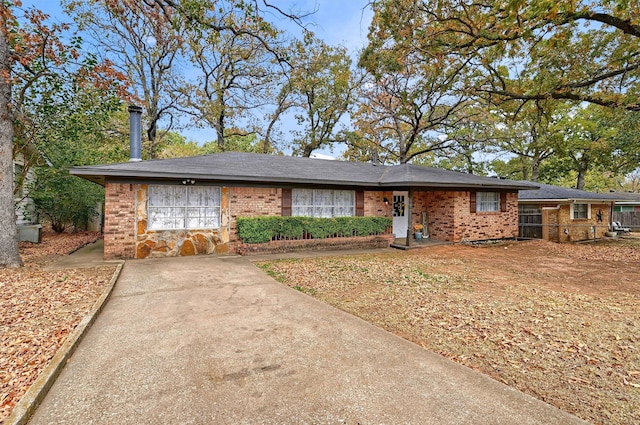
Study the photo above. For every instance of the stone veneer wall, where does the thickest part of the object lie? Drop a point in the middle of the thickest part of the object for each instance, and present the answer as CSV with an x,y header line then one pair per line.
x,y
173,243
119,221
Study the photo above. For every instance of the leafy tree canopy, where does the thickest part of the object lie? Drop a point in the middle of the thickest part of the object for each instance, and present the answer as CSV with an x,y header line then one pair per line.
x,y
522,50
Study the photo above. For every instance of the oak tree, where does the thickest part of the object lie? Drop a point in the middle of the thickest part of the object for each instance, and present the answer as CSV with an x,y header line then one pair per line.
x,y
524,50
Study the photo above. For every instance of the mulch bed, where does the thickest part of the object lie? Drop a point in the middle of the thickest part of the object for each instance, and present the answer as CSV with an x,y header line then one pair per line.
x,y
39,308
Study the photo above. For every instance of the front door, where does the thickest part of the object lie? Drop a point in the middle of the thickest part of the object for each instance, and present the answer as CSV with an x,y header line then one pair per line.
x,y
400,219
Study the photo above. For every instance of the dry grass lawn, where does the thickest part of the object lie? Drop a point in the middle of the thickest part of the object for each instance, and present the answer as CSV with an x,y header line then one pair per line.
x,y
559,322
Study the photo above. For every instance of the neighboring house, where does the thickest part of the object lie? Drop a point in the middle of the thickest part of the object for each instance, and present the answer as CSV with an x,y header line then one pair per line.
x,y
26,217
626,210
561,214
184,206
23,177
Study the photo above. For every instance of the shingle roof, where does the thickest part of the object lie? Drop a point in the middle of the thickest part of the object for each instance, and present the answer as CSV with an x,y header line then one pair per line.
x,y
247,168
627,197
557,193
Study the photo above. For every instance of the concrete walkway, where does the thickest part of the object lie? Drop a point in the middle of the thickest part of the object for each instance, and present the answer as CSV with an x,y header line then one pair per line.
x,y
213,340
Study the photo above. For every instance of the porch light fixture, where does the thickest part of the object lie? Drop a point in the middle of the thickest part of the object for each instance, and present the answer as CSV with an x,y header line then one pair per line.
x,y
188,181
386,200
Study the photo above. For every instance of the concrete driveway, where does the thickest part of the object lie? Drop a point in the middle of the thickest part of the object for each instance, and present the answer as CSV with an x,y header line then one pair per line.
x,y
213,340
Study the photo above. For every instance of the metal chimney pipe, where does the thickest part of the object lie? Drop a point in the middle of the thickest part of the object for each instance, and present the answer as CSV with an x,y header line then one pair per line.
x,y
135,133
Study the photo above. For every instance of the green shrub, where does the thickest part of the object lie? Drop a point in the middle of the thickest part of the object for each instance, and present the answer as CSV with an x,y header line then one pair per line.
x,y
265,229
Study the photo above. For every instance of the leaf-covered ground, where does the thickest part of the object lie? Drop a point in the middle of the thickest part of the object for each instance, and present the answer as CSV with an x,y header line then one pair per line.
x,y
39,308
559,322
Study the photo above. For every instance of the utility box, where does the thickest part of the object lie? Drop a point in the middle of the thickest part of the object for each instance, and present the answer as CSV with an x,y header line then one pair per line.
x,y
30,233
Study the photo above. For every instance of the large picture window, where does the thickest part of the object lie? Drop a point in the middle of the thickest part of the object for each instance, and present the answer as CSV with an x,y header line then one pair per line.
x,y
183,207
487,202
322,203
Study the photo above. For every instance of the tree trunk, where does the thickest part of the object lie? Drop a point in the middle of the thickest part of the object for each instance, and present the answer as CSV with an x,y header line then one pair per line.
x,y
535,171
220,131
9,254
583,165
152,131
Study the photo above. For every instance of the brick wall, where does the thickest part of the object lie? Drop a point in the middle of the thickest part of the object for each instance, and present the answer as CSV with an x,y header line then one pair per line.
x,y
440,208
119,221
486,225
550,228
374,205
126,234
582,229
252,202
449,217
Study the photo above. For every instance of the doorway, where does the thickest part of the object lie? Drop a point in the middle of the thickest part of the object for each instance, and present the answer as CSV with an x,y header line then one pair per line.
x,y
400,219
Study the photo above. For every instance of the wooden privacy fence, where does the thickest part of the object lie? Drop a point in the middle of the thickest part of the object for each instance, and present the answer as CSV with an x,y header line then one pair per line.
x,y
530,229
629,219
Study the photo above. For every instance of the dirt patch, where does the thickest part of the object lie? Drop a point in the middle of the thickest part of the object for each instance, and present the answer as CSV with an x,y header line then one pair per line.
x,y
559,322
39,308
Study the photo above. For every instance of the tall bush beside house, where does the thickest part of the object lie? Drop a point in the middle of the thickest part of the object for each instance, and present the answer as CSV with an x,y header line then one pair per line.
x,y
64,200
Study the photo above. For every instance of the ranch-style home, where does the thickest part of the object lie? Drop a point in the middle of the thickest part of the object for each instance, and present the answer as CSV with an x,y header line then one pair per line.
x,y
186,206
560,214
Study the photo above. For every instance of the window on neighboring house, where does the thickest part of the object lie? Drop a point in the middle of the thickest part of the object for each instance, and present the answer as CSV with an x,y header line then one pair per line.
x,y
579,211
322,203
627,209
487,201
183,207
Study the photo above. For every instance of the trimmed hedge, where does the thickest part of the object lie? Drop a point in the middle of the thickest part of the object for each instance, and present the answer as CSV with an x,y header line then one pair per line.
x,y
268,228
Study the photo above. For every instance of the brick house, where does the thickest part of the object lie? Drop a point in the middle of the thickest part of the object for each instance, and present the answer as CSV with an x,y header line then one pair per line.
x,y
626,211
186,206
560,214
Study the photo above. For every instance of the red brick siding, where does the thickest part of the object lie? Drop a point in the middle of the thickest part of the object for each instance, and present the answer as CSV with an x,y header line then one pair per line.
x,y
374,205
119,221
483,225
253,202
448,214
449,217
441,218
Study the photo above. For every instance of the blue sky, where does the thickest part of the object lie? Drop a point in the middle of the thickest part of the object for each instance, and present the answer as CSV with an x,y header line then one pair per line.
x,y
337,22
343,22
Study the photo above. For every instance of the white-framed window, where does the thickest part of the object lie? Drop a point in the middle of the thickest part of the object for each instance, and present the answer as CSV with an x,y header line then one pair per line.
x,y
323,203
488,202
580,211
183,207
